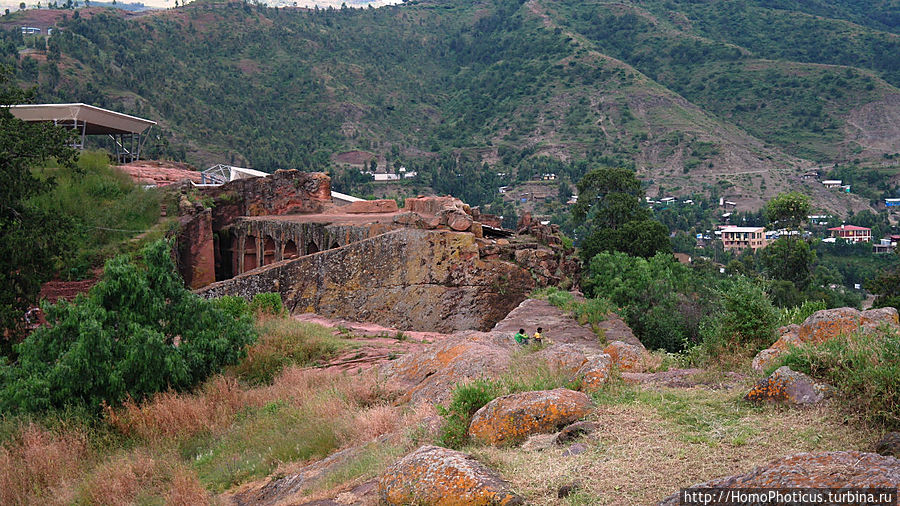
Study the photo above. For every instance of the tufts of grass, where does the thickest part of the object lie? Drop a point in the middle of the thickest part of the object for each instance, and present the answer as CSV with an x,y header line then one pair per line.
x,y
589,311
864,368
525,375
284,342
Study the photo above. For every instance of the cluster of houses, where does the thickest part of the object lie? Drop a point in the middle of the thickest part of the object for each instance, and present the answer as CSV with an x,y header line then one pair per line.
x,y
667,201
741,238
401,174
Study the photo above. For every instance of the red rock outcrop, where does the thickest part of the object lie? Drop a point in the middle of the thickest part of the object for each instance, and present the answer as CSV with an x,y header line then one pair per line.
x,y
834,470
437,476
430,280
824,325
429,376
512,418
371,207
159,173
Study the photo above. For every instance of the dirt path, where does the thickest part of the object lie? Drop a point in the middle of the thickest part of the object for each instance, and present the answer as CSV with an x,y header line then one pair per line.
x,y
372,344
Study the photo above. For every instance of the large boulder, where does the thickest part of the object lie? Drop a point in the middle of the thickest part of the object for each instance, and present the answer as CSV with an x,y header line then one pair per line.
x,y
824,325
562,358
830,323
628,357
434,475
786,385
511,418
429,375
595,372
850,469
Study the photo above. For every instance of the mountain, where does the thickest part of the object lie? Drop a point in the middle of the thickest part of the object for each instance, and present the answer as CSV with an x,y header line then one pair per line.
x,y
717,97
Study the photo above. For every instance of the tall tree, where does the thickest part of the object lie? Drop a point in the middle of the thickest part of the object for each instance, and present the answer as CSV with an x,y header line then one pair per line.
x,y
613,218
788,210
31,238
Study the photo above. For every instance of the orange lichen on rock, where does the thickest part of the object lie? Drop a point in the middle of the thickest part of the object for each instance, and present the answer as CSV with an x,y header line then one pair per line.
x,y
627,357
595,372
439,476
511,418
785,385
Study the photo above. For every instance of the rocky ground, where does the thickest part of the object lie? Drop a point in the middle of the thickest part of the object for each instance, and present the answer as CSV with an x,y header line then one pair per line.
x,y
645,433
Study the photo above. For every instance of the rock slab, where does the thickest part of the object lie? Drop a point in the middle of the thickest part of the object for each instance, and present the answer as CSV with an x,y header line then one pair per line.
x,y
851,469
432,475
511,418
786,385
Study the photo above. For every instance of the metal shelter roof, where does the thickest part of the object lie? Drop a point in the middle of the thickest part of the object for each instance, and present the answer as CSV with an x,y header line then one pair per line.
x,y
96,120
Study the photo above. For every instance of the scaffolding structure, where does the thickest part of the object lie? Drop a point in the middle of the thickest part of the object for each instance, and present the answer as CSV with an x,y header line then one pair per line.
x,y
220,174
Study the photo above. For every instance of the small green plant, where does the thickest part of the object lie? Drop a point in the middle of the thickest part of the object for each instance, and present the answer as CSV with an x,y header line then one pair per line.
x,y
267,303
798,314
400,336
465,401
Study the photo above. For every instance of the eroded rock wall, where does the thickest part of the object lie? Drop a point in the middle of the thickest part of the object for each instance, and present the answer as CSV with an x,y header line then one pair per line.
x,y
430,280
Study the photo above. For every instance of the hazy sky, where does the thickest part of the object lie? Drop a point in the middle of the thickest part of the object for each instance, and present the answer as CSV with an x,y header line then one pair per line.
x,y
14,4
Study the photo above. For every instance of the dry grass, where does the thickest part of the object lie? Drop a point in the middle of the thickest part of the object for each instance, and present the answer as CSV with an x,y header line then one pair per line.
x,y
646,451
36,466
174,447
140,475
172,415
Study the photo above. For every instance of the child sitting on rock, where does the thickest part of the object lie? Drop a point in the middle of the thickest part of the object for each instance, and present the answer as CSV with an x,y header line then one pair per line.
x,y
538,336
521,337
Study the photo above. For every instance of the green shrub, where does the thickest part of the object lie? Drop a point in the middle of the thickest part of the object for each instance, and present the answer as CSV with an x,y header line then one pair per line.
x,y
234,306
561,299
267,303
137,332
105,206
465,401
864,368
798,314
592,311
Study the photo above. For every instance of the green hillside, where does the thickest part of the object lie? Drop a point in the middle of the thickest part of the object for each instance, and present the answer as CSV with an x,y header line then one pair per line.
x,y
687,93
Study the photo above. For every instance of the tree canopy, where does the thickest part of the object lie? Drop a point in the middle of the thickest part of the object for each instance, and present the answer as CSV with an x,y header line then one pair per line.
x,y
789,210
31,237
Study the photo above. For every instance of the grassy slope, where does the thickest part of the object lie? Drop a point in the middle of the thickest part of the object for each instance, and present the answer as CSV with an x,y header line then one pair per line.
x,y
110,214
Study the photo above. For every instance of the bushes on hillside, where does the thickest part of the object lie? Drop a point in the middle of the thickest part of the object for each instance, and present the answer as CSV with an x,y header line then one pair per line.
x,y
675,307
137,332
662,300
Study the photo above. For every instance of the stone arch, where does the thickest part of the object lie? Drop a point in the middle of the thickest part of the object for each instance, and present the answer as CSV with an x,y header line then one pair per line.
x,y
311,248
269,250
250,253
290,250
